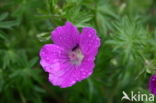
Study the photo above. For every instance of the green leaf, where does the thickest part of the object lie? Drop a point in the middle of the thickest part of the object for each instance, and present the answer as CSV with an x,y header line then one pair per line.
x,y
3,16
8,24
2,36
33,62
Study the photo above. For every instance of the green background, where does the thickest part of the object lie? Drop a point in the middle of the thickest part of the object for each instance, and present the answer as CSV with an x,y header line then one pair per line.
x,y
125,62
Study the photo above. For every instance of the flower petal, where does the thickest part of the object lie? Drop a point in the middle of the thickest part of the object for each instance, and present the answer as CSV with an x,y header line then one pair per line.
x,y
152,84
69,74
63,78
52,56
89,41
85,69
65,36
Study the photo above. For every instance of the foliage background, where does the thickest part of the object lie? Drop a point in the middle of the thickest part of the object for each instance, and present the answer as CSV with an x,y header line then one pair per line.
x,y
126,59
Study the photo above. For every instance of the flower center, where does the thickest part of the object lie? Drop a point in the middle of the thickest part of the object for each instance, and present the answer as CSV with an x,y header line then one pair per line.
x,y
76,56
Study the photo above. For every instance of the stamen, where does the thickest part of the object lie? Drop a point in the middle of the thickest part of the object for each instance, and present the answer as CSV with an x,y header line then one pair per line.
x,y
76,55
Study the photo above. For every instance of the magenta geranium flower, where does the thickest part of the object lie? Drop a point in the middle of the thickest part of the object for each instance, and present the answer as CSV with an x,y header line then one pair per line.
x,y
152,84
71,58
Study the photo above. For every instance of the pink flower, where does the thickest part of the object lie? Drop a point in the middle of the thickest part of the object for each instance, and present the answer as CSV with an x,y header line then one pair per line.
x,y
71,58
152,84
